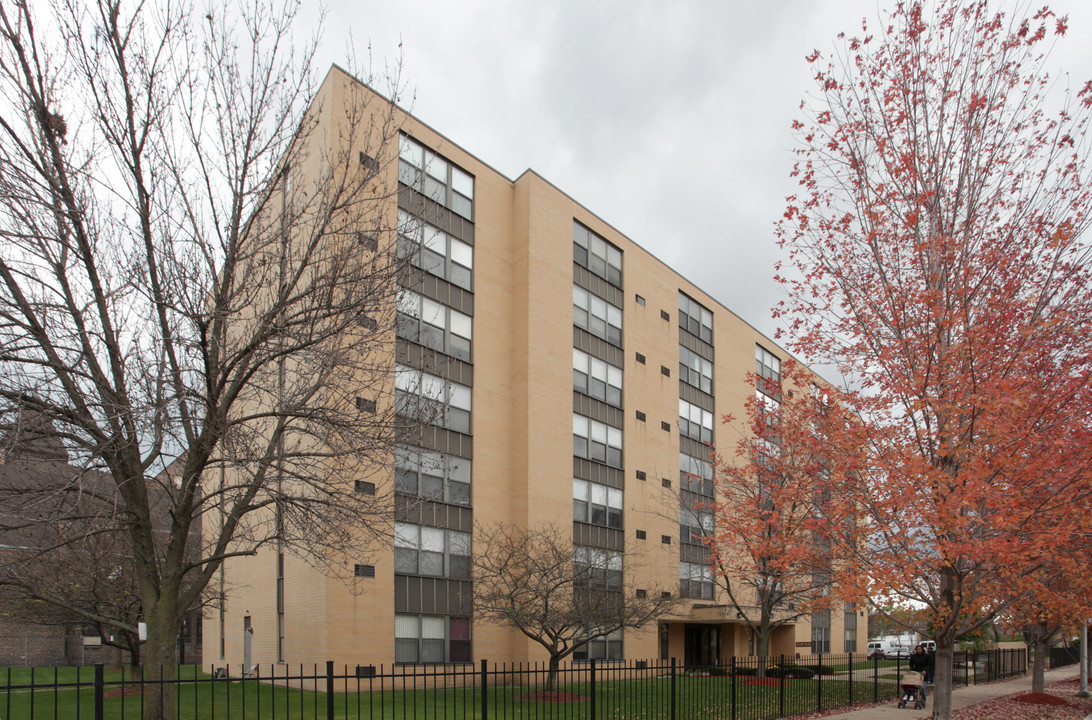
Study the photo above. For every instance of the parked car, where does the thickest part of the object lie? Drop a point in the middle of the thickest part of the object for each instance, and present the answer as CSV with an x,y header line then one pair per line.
x,y
929,645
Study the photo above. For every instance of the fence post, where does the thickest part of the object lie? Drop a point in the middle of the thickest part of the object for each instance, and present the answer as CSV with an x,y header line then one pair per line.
x,y
593,689
781,687
819,684
485,688
733,687
672,688
852,671
875,678
329,690
98,692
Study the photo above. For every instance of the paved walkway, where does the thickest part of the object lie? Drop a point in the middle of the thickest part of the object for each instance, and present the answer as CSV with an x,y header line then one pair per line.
x,y
961,697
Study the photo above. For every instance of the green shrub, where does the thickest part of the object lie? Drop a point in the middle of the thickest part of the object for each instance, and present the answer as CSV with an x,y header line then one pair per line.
x,y
718,670
791,671
746,671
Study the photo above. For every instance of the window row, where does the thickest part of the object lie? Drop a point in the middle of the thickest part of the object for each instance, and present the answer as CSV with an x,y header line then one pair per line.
x,y
596,378
694,422
695,370
593,440
434,325
432,400
435,178
432,475
423,550
597,255
695,475
431,639
695,524
597,567
820,632
597,504
695,318
434,251
597,316
695,581
768,369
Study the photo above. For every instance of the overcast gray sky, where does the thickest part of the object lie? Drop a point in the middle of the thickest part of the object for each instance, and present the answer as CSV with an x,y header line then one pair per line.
x,y
670,120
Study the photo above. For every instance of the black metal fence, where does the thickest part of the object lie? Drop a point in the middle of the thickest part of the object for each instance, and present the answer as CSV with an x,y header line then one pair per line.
x,y
1063,656
734,689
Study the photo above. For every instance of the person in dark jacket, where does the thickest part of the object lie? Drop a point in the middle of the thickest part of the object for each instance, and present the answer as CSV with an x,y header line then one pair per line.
x,y
922,662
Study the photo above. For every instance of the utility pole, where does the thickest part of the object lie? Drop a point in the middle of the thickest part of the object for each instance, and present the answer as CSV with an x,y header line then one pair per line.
x,y
1084,660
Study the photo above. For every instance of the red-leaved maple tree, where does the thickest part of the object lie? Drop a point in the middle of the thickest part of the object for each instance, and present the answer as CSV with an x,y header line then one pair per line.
x,y
938,258
769,550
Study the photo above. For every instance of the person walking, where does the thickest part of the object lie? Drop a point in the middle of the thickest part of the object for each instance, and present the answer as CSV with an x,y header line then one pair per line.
x,y
920,662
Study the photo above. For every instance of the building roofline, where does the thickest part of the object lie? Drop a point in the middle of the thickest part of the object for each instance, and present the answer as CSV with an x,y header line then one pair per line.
x,y
532,171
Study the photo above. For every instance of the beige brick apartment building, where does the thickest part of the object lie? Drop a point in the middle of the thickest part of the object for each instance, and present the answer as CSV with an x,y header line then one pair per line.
x,y
583,381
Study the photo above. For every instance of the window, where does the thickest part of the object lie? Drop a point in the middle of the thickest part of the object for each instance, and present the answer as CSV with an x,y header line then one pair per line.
x,y
432,399
694,524
851,627
640,300
597,379
596,441
641,475
665,426
435,177
365,405
597,316
695,475
768,369
602,647
597,567
596,254
665,370
695,318
427,322
597,504
363,571
665,539
364,487
424,550
695,370
641,534
820,631
432,475
431,639
434,251
695,423
695,581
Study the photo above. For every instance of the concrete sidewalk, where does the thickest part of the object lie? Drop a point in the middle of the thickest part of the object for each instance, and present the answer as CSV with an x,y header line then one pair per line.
x,y
961,697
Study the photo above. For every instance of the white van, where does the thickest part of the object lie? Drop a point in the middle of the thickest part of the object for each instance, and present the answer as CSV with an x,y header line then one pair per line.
x,y
887,649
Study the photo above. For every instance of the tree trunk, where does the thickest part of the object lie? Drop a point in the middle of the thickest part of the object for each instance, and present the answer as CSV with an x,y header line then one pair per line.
x,y
942,678
551,675
762,646
1038,668
160,662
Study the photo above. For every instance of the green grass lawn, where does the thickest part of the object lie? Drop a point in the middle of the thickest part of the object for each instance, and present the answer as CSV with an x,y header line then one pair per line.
x,y
204,699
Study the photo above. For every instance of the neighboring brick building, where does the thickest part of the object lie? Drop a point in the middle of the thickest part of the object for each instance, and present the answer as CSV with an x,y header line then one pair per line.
x,y
32,458
583,382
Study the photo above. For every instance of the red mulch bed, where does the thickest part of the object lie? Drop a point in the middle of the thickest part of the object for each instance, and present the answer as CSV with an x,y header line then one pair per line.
x,y
115,692
553,696
1040,699
762,682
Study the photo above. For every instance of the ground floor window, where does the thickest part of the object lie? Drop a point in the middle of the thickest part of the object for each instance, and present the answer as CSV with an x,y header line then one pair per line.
x,y
603,647
431,639
851,627
820,631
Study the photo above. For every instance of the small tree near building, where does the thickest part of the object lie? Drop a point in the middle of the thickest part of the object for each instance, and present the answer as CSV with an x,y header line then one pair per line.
x,y
565,598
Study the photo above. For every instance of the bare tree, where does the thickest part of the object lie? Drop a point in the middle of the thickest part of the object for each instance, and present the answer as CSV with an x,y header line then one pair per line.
x,y
559,596
196,265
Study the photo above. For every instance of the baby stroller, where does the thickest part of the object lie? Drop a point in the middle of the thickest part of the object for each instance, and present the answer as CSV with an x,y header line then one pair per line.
x,y
913,691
